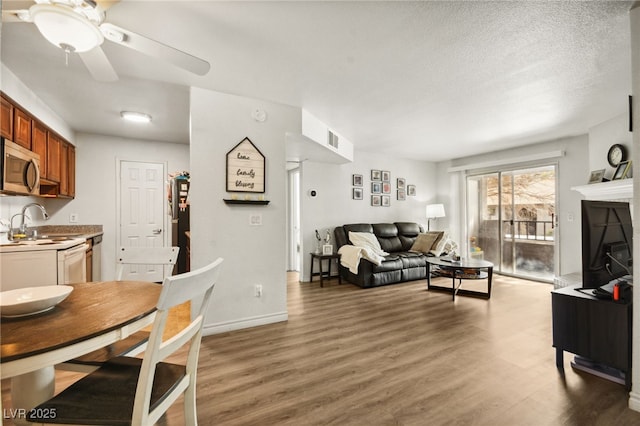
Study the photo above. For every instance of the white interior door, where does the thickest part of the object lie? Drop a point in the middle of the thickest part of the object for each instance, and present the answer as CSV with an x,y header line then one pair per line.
x,y
142,213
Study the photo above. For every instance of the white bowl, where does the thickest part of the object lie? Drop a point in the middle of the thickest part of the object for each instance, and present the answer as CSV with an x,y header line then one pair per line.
x,y
32,300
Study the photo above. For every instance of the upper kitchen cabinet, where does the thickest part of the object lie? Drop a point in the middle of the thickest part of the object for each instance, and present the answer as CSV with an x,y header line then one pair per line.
x,y
60,167
6,118
54,147
57,156
22,128
39,145
71,172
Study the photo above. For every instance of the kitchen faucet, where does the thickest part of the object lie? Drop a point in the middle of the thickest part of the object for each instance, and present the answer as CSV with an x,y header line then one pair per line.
x,y
23,226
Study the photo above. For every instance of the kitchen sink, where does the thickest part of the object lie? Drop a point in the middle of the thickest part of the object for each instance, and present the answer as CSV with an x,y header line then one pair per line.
x,y
38,242
56,238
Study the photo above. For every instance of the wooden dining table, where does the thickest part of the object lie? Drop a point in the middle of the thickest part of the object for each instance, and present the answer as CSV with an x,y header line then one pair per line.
x,y
94,315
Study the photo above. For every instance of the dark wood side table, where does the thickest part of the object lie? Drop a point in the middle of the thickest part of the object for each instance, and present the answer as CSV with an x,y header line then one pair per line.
x,y
320,257
596,329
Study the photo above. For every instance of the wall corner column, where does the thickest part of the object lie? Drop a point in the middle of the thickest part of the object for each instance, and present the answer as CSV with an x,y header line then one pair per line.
x,y
634,395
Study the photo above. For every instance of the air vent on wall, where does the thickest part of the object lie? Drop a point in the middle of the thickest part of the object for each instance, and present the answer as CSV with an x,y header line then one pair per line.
x,y
332,139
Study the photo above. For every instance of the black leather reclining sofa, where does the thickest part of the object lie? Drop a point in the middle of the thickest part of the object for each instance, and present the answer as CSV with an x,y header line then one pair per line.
x,y
396,239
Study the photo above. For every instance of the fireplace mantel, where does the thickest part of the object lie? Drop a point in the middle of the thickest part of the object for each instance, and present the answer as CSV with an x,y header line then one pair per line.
x,y
613,190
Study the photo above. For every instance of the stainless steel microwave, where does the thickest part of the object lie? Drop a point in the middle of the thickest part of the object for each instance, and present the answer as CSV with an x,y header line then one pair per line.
x,y
20,170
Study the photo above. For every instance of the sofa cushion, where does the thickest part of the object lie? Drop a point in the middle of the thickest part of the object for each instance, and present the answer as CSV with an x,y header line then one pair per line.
x,y
390,263
407,232
412,259
387,234
425,242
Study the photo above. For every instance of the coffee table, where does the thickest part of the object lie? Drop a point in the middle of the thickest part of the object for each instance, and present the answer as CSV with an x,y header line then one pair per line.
x,y
463,269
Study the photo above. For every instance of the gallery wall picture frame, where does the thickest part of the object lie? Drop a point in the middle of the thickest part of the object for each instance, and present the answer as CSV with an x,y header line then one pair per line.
x,y
411,190
376,187
376,175
357,180
386,200
622,170
386,188
400,183
402,195
386,176
357,193
596,176
376,200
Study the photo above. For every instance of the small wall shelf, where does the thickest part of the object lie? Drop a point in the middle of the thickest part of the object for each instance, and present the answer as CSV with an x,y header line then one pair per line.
x,y
247,202
613,190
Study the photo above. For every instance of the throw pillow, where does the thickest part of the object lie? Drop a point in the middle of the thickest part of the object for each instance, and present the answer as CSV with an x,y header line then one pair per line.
x,y
425,242
445,245
367,240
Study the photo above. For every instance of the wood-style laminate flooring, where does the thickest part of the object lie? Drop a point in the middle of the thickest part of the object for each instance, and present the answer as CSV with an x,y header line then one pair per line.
x,y
398,355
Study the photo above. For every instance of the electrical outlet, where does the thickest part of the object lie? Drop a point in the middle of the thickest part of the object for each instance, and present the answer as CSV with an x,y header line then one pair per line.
x,y
255,219
258,290
73,218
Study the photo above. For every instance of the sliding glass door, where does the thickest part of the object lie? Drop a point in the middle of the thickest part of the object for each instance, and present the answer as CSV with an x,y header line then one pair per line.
x,y
511,221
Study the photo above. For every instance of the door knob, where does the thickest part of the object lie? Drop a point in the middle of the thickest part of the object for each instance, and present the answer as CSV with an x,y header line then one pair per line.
x,y
157,231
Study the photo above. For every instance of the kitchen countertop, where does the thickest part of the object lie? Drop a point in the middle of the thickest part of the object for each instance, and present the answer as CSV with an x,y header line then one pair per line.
x,y
54,237
53,243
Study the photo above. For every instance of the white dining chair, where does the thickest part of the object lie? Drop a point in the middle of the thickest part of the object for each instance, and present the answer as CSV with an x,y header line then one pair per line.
x,y
141,263
134,391
145,262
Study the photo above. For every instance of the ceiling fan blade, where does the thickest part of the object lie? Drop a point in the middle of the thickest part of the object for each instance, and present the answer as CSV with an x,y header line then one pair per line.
x,y
98,65
20,15
154,48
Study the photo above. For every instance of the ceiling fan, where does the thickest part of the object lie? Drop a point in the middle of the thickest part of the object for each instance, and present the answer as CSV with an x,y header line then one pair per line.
x,y
78,26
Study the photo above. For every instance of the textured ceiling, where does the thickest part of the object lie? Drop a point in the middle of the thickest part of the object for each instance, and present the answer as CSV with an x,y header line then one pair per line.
x,y
427,80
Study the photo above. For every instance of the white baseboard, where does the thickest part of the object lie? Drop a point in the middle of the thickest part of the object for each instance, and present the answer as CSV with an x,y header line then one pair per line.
x,y
239,324
634,401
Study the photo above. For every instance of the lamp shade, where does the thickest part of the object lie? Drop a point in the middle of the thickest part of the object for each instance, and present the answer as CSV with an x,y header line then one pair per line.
x,y
435,210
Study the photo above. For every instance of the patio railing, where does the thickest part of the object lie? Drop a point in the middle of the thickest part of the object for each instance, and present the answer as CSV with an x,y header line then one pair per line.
x,y
538,230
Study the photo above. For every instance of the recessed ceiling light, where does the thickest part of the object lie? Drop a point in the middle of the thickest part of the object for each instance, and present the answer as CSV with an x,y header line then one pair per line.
x,y
138,117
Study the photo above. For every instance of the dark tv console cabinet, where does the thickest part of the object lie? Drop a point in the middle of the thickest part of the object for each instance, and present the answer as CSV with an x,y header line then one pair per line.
x,y
597,329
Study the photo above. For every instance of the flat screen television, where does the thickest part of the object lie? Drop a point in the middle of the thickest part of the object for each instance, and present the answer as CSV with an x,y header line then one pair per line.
x,y
607,242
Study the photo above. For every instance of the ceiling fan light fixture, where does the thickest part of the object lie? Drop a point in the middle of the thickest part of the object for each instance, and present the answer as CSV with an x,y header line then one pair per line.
x,y
64,28
136,117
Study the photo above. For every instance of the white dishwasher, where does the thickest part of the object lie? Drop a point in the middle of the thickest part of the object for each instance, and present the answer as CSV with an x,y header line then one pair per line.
x,y
72,265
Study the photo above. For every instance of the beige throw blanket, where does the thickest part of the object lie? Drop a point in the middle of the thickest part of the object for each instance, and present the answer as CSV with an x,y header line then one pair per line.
x,y
351,255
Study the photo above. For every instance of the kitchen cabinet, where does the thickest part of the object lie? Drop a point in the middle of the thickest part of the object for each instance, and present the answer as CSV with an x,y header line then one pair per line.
x,y
71,171
28,269
64,168
21,128
53,157
57,156
39,145
6,118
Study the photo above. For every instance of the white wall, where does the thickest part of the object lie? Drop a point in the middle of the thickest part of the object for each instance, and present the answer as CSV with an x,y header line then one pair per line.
x,y
334,206
573,170
253,254
16,90
602,136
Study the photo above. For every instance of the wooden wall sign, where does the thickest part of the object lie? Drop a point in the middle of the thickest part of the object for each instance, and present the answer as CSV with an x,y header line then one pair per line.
x,y
245,168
